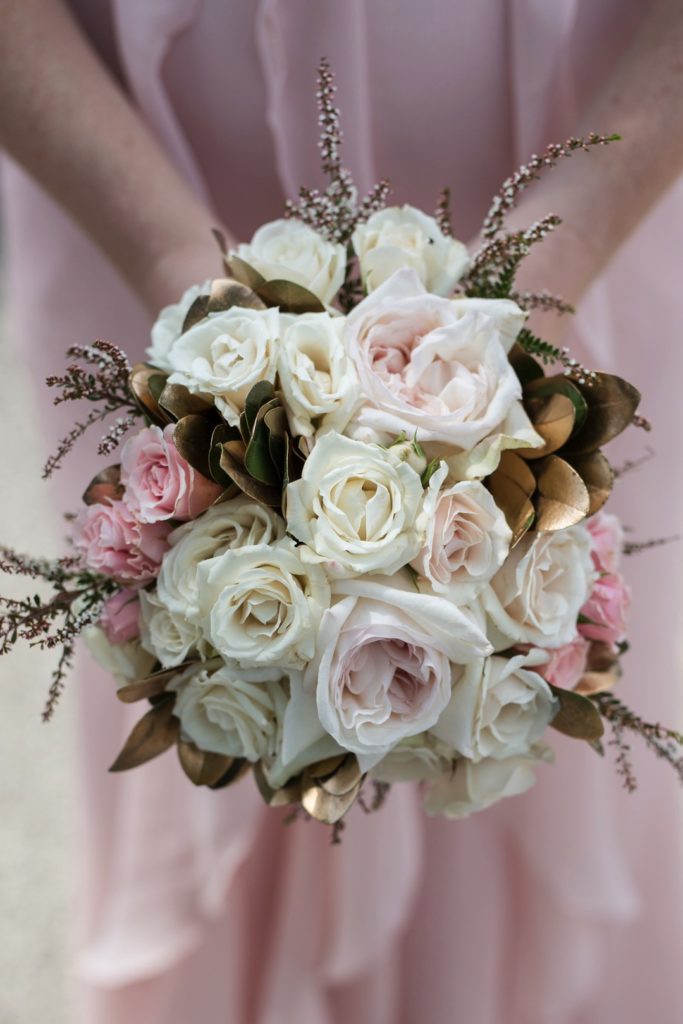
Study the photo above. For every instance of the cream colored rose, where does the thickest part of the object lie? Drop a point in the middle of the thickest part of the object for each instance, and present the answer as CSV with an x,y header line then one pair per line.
x,y
231,524
318,380
437,369
169,636
416,759
499,707
471,787
290,250
536,597
262,605
169,325
382,667
225,354
403,236
357,507
235,712
467,537
125,662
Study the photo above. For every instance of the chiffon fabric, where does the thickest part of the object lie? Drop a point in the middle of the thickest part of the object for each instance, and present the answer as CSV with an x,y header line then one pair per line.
x,y
559,907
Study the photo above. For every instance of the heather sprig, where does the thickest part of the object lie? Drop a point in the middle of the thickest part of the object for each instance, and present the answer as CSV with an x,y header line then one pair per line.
x,y
99,374
55,621
665,743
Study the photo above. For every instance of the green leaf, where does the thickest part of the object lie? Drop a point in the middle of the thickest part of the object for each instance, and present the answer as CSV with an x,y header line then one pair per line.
x,y
260,394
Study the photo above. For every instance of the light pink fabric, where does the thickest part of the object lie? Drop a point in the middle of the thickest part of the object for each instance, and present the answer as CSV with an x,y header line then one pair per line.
x,y
560,907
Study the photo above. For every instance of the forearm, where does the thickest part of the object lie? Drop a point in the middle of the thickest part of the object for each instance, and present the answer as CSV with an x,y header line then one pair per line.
x,y
602,196
64,119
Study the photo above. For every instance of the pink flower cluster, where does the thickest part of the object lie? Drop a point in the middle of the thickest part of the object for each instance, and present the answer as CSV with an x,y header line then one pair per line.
x,y
128,537
606,610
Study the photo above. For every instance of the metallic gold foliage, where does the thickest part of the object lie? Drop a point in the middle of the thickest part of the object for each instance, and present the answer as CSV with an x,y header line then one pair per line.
x,y
104,487
577,717
152,735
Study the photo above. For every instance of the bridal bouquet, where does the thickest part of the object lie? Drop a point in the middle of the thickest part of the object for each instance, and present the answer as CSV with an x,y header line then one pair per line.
x,y
357,533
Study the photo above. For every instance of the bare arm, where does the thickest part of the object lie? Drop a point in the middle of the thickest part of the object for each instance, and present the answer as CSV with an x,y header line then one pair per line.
x,y
64,119
602,196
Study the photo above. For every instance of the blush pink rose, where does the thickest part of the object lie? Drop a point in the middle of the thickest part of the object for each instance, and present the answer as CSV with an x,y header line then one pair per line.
x,y
606,610
113,542
119,618
607,538
159,483
567,664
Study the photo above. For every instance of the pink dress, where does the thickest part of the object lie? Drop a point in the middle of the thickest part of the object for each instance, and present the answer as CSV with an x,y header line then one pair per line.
x,y
560,907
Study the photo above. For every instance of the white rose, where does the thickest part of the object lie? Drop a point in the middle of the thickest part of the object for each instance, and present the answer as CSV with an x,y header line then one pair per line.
x,y
434,368
261,605
537,595
168,636
232,524
292,251
225,354
402,236
318,380
467,538
382,670
169,325
415,759
356,506
236,712
471,787
125,662
499,707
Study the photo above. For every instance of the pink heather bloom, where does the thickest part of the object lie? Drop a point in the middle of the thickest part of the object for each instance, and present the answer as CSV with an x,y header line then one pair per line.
x,y
607,610
113,542
119,618
607,537
567,664
159,483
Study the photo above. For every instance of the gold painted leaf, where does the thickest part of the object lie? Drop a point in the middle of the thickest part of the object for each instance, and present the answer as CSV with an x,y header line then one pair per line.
x,y
196,313
578,716
227,292
150,686
562,498
192,438
104,487
239,767
511,487
340,779
290,297
598,476
524,365
552,417
140,382
290,793
612,403
233,466
178,401
598,682
327,807
152,735
244,273
201,766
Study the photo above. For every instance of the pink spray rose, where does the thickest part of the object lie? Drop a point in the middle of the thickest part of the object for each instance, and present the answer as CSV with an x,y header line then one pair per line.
x,y
606,609
607,537
567,664
119,618
159,483
113,542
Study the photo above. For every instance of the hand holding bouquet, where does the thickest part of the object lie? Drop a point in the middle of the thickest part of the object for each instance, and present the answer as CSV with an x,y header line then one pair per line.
x,y
360,537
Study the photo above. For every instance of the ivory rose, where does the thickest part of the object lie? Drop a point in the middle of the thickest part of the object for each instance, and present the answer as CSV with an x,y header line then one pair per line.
x,y
113,542
381,670
414,759
125,661
471,787
262,605
169,325
467,537
318,380
159,483
499,707
536,597
356,506
293,251
403,236
232,524
225,354
235,712
169,636
434,367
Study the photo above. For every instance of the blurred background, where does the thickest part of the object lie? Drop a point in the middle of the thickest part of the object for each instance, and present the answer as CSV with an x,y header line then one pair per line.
x,y
36,781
